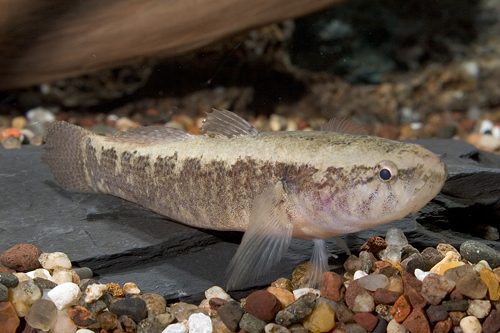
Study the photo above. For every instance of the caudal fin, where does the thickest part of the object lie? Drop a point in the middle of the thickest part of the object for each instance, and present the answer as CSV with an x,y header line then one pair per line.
x,y
63,154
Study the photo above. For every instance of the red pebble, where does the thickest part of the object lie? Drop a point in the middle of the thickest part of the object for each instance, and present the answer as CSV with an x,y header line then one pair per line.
x,y
443,326
416,300
401,309
417,322
384,296
374,245
367,320
332,286
262,304
455,295
21,257
492,322
352,291
8,317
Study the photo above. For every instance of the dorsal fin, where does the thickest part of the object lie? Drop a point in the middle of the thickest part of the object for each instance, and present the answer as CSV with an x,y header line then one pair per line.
x,y
344,126
150,135
227,123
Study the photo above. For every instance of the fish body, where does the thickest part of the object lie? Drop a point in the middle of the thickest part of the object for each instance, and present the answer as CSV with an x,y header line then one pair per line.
x,y
273,186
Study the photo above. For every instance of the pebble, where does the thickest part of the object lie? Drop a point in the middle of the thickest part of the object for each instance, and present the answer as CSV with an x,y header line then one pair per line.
x,y
283,283
391,254
456,273
359,274
275,328
131,288
54,259
251,324
396,236
367,320
321,319
262,304
4,293
283,295
23,296
84,330
63,324
384,311
489,278
475,251
394,327
40,273
352,290
155,304
175,328
332,286
472,286
443,326
364,303
374,281
374,245
395,284
81,316
62,275
492,323
384,296
436,313
298,293
297,328
470,324
64,295
342,312
10,321
135,308
42,314
129,325
435,288
353,264
479,308
182,310
456,305
21,257
354,328
107,320
115,290
9,280
296,311
215,303
100,304
83,272
148,325
230,314
94,292
218,292
401,309
417,322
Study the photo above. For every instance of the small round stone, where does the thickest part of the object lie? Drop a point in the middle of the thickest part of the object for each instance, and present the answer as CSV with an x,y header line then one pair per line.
x,y
81,316
8,317
262,304
64,295
115,290
182,310
332,286
353,264
83,272
135,308
22,296
44,283
4,293
128,325
395,327
216,291
321,319
131,288
200,323
283,295
107,320
298,310
54,259
363,303
373,282
479,308
21,257
470,324
42,314
374,245
396,236
9,280
175,328
84,330
63,324
435,288
472,286
155,304
230,315
283,283
475,251
94,292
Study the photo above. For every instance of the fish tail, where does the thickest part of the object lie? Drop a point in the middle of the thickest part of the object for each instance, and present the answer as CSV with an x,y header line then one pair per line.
x,y
63,154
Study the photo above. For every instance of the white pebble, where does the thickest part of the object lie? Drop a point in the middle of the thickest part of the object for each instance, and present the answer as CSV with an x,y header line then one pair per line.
x,y
175,328
480,265
479,308
216,291
41,273
395,327
470,324
64,295
94,292
298,293
199,323
131,288
84,330
420,274
54,259
364,303
359,274
373,282
275,328
391,254
396,236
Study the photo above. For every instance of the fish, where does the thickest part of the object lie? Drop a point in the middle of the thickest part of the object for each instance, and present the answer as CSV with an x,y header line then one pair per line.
x,y
273,186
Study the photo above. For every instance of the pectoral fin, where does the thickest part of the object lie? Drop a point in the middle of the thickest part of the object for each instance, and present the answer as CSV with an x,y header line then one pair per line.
x,y
266,240
318,264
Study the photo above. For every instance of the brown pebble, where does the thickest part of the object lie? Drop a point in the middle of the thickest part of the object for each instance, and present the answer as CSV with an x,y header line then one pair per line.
x,y
332,286
216,302
81,316
263,305
107,320
471,285
115,290
352,291
401,309
443,326
379,265
374,245
416,300
456,316
128,325
492,322
384,296
366,320
21,257
417,322
283,284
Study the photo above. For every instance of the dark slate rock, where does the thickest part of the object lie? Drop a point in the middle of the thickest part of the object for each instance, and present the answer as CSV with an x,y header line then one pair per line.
x,y
121,242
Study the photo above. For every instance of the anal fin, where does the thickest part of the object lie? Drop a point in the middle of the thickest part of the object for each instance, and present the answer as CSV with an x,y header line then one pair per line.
x,y
318,264
266,240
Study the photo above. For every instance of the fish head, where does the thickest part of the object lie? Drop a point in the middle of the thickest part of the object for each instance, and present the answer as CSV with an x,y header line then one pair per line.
x,y
387,182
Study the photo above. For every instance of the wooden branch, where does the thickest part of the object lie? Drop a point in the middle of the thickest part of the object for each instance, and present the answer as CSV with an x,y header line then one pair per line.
x,y
41,41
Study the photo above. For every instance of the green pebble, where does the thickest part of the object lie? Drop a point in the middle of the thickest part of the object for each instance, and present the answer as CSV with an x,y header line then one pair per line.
x,y
252,324
457,305
9,280
4,293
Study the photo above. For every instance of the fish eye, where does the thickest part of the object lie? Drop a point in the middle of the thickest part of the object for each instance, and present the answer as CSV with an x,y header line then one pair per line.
x,y
386,171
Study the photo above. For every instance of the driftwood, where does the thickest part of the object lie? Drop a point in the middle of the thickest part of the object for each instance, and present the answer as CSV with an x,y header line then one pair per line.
x,y
41,41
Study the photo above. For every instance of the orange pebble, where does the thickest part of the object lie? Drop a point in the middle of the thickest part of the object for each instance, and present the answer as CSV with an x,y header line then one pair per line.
x,y
10,132
401,309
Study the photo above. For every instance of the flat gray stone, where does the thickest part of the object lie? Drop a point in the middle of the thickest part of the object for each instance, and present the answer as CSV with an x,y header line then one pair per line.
x,y
122,242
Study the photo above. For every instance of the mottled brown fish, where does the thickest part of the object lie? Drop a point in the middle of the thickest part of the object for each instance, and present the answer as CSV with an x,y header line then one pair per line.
x,y
273,186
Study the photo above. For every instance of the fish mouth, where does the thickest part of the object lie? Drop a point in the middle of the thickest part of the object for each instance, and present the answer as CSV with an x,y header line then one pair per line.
x,y
432,180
